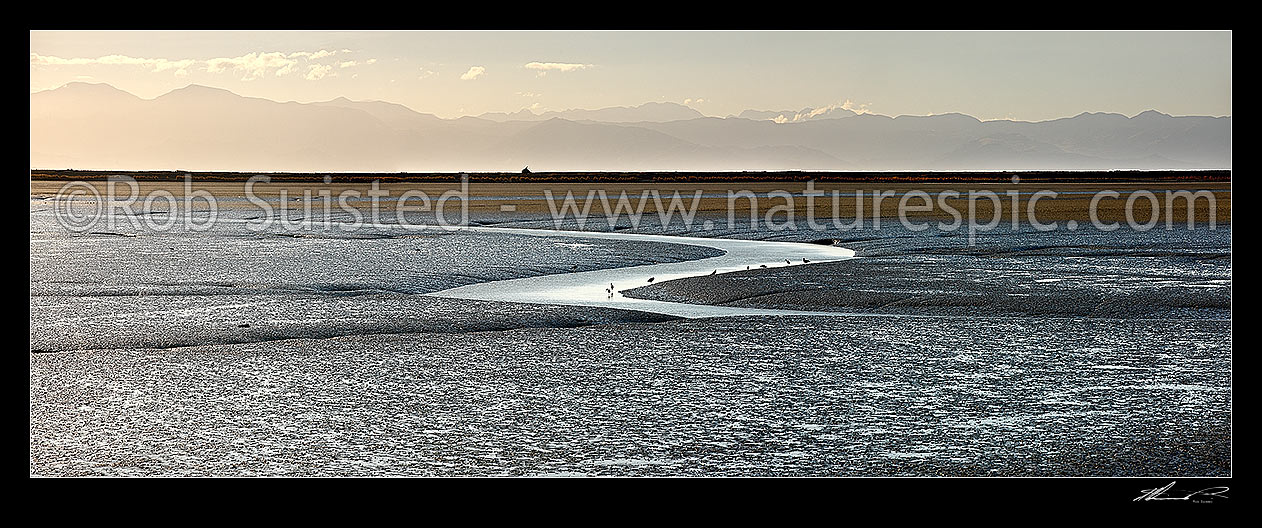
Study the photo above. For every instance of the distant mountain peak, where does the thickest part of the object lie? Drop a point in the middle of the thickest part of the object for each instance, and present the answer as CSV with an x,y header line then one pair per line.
x,y
1089,115
1149,114
90,88
80,85
661,104
200,87
197,90
957,116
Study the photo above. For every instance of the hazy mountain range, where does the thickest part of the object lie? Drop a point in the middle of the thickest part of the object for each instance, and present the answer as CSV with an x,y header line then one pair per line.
x,y
97,126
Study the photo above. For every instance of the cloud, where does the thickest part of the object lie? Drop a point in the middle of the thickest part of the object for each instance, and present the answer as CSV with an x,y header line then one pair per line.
x,y
858,109
316,72
473,73
287,69
254,65
154,65
694,101
527,94
354,63
542,68
250,66
803,116
314,55
427,73
557,66
821,110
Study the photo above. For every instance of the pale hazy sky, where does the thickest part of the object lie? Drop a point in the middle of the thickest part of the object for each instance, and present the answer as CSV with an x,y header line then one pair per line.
x,y
990,75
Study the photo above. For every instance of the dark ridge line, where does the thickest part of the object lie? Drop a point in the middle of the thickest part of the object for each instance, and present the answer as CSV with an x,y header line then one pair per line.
x,y
575,324
665,319
1046,176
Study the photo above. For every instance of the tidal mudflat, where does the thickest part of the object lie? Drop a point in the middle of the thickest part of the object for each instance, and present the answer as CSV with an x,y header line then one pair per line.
x,y
324,352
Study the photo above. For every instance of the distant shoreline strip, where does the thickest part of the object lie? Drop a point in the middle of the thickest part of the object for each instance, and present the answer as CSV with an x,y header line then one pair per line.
x,y
1103,176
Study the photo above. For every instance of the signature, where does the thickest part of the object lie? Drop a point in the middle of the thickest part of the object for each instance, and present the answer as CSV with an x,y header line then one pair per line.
x,y
1205,495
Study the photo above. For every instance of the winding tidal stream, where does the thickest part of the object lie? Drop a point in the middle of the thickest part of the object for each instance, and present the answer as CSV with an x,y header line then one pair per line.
x,y
602,288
